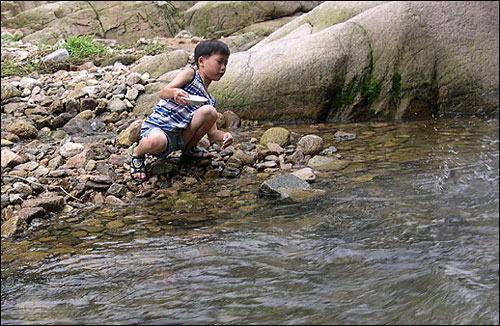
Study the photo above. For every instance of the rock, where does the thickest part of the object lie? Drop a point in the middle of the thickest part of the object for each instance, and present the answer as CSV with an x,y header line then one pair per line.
x,y
110,199
117,105
277,135
300,195
50,204
279,185
232,119
70,149
78,126
22,129
319,162
9,90
305,174
130,135
159,64
311,144
275,148
243,157
13,226
354,68
342,135
10,159
30,213
58,55
133,78
29,83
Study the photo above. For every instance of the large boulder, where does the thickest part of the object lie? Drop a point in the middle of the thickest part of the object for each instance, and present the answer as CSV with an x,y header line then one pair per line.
x,y
395,60
124,21
160,64
222,18
323,16
127,21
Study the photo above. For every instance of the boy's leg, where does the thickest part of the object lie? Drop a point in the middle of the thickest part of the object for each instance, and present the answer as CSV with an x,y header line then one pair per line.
x,y
203,120
154,143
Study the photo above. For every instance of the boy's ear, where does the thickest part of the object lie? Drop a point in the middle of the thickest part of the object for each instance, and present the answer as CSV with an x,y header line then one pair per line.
x,y
201,60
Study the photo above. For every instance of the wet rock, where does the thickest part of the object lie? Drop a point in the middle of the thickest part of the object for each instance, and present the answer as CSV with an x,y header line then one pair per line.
x,y
279,185
329,151
342,135
305,174
326,163
14,225
230,172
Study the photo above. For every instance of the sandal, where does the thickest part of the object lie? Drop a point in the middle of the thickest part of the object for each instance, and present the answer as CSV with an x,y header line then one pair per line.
x,y
198,153
137,165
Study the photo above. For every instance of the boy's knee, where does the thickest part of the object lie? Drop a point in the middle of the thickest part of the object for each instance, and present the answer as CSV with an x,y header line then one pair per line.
x,y
210,112
155,142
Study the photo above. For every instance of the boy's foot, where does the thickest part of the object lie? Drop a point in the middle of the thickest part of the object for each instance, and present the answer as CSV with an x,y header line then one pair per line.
x,y
138,168
197,152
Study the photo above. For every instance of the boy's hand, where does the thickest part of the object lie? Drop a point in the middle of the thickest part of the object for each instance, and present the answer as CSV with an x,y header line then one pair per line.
x,y
227,140
179,94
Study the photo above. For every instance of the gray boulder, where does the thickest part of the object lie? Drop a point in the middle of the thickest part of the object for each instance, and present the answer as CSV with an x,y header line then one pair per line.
x,y
394,61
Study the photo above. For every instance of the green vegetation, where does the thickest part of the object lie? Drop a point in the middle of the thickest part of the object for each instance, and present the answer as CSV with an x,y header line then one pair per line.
x,y
10,68
349,95
369,89
155,49
80,48
346,95
16,37
396,85
84,47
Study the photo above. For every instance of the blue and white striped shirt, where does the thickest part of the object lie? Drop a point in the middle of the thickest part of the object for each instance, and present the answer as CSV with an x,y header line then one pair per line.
x,y
172,116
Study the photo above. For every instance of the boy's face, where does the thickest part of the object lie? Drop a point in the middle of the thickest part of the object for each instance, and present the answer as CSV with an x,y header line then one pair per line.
x,y
214,66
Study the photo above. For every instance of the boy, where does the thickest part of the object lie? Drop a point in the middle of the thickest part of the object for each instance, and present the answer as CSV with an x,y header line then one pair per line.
x,y
174,123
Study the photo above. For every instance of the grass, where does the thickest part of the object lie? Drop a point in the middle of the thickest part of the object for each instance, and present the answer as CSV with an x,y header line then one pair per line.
x,y
80,48
84,46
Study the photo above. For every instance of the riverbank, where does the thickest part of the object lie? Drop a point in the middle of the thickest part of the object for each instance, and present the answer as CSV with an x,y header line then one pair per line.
x,y
66,143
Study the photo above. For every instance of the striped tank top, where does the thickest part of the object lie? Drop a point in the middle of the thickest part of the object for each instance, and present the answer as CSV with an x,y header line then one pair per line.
x,y
172,116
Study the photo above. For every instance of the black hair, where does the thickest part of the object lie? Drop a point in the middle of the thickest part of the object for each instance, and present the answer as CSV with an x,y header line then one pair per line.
x,y
209,47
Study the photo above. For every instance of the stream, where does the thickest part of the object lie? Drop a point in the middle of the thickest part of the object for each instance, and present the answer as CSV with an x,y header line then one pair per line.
x,y
407,233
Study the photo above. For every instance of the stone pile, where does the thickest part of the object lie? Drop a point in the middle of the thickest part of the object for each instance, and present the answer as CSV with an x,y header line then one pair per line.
x,y
66,139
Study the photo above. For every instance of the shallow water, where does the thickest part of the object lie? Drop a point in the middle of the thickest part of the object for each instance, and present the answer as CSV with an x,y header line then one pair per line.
x,y
407,233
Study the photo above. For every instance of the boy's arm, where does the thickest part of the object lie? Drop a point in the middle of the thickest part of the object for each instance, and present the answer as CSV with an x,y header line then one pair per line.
x,y
173,89
215,134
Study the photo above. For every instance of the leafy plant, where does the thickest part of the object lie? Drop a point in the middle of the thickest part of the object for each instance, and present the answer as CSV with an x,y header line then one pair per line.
x,y
10,68
16,37
83,47
370,90
396,85
155,49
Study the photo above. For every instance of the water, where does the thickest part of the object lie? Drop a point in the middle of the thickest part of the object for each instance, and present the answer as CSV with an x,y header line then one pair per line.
x,y
408,233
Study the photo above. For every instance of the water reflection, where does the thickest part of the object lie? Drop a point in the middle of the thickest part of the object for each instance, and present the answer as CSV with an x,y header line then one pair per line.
x,y
407,233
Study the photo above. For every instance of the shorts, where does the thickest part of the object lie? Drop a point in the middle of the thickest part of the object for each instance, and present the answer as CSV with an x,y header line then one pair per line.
x,y
174,138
